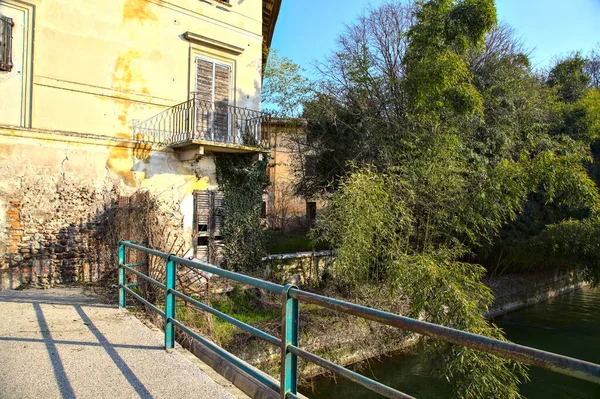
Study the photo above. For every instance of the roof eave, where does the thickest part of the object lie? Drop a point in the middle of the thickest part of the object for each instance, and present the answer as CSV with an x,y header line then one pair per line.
x,y
270,14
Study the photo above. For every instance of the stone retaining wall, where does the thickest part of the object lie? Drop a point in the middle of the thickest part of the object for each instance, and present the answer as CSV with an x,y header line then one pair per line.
x,y
298,267
56,188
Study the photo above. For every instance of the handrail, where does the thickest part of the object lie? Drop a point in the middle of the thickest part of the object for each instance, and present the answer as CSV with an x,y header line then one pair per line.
x,y
197,119
288,342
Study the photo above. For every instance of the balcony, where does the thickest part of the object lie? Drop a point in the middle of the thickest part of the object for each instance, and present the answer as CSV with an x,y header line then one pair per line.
x,y
197,125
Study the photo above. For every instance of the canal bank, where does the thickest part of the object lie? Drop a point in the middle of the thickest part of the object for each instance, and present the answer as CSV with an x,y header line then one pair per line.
x,y
567,324
516,291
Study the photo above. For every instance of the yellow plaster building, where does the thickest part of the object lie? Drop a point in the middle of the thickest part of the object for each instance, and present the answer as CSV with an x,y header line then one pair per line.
x,y
101,99
290,158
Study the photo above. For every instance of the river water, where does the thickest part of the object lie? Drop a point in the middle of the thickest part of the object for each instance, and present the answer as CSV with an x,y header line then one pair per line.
x,y
568,324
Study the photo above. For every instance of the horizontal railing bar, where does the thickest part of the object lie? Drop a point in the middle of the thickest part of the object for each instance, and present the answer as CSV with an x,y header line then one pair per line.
x,y
145,302
561,364
368,383
144,249
293,396
246,327
145,277
135,264
133,285
276,288
162,112
558,363
229,357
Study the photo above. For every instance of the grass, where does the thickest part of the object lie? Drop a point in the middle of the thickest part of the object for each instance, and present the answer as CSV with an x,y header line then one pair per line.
x,y
243,305
278,242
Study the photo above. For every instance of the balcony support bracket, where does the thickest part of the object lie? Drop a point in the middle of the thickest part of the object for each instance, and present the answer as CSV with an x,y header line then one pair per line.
x,y
191,153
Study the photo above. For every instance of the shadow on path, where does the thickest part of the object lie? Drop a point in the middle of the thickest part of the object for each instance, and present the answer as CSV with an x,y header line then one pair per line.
x,y
110,350
64,385
78,303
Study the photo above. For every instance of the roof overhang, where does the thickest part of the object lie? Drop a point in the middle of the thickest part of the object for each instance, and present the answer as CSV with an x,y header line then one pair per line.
x,y
270,13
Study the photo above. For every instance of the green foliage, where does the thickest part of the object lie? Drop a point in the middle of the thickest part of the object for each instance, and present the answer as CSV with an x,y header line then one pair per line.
x,y
571,245
558,188
444,152
366,214
437,78
449,293
243,305
579,120
448,150
285,88
374,230
564,181
577,111
282,242
241,178
568,78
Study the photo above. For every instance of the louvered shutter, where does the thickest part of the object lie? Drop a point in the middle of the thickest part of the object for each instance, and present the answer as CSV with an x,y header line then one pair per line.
x,y
221,117
216,242
202,213
204,89
208,222
212,86
6,25
204,79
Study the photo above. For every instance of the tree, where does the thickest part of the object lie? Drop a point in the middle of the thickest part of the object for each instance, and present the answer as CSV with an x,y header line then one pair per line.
x,y
444,151
592,67
568,78
285,89
415,189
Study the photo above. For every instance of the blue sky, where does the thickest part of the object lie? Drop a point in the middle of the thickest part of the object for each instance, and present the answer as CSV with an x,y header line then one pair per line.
x,y
307,29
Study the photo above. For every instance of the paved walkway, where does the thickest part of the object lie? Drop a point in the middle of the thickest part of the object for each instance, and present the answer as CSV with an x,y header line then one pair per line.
x,y
62,343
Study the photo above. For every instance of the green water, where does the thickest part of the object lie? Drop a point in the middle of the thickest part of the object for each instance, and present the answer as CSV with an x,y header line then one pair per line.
x,y
568,325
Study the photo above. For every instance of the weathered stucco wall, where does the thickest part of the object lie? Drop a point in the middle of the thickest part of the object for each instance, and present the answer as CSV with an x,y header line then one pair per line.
x,y
83,71
54,186
101,64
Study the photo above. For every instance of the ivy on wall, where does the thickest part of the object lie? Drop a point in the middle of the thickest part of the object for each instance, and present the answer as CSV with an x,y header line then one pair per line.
x,y
242,178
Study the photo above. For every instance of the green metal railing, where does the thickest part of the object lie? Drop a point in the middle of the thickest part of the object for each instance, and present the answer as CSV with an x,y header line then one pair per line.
x,y
290,351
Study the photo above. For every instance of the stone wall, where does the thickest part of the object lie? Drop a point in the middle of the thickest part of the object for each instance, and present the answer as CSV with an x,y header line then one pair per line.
x,y
300,268
56,188
42,252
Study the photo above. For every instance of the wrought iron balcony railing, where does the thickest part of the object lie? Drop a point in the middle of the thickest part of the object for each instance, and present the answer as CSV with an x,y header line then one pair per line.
x,y
199,120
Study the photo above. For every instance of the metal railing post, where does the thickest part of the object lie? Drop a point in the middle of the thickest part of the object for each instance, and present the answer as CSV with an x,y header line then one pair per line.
x,y
121,275
170,303
289,336
195,110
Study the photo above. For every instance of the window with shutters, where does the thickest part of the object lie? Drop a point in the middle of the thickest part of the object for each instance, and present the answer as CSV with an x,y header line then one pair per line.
x,y
6,25
208,223
212,90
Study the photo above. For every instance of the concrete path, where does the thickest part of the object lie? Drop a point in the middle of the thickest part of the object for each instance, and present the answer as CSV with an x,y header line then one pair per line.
x,y
62,343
